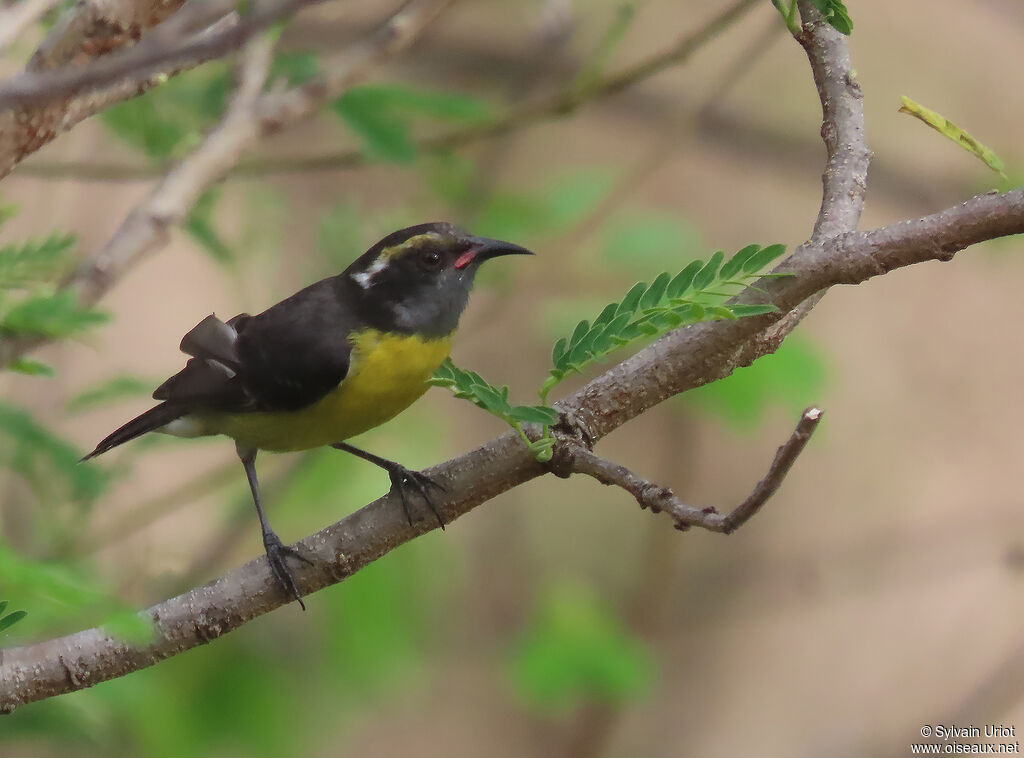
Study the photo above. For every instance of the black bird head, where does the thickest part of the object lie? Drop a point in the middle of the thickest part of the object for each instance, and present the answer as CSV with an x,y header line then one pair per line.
x,y
417,280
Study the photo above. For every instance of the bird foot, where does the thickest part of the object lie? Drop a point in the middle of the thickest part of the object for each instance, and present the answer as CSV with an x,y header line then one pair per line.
x,y
403,479
277,553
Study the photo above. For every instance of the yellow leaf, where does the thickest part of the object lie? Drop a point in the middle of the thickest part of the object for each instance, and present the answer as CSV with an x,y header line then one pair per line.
x,y
943,125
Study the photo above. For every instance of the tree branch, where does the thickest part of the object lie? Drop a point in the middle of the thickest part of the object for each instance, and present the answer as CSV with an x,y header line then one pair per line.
x,y
679,361
580,460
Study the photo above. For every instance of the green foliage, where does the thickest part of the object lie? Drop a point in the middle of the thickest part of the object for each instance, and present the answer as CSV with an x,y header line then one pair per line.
x,y
25,263
29,306
30,367
697,293
10,619
469,385
63,593
382,115
836,14
295,67
786,378
43,459
577,652
55,315
169,120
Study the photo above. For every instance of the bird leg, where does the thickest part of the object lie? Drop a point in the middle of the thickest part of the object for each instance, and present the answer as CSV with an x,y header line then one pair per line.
x,y
277,551
402,479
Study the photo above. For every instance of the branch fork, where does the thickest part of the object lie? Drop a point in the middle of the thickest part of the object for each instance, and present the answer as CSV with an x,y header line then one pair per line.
x,y
579,460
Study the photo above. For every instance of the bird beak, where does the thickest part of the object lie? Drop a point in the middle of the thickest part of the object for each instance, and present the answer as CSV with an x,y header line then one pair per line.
x,y
483,248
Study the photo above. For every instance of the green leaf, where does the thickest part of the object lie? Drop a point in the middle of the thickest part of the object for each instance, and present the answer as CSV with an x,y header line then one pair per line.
x,y
34,261
762,258
31,368
632,299
385,135
742,311
655,292
582,328
684,279
558,351
607,314
57,315
168,120
200,225
382,114
722,312
735,264
294,66
836,14
948,129
535,414
11,619
706,275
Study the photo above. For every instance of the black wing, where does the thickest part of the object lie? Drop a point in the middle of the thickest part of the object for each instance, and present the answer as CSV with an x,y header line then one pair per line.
x,y
285,358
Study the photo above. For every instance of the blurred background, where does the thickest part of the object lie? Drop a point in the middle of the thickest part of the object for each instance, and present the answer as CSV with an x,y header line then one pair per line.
x,y
879,590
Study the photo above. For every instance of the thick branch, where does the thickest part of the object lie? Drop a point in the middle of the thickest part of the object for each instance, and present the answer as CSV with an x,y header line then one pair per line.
x,y
661,499
679,361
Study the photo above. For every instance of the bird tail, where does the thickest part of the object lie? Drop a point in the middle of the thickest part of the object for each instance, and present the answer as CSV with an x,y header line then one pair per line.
x,y
152,419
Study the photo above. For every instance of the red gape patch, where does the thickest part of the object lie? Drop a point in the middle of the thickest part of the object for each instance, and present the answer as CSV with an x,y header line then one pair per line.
x,y
465,259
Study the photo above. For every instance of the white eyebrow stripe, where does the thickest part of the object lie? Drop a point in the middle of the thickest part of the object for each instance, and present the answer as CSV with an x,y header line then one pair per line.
x,y
365,278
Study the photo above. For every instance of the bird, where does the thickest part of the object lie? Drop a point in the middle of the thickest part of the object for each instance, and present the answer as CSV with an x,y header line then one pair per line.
x,y
332,361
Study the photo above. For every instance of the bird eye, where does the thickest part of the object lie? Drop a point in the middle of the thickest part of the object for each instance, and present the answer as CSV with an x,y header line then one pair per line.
x,y
430,260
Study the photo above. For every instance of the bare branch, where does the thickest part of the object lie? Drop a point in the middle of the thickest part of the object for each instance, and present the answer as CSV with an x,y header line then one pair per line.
x,y
679,361
166,47
842,129
580,460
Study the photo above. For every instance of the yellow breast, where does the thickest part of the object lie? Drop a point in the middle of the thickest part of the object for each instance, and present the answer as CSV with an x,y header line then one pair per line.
x,y
387,373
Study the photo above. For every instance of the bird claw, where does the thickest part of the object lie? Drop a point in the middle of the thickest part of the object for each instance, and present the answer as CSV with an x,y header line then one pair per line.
x,y
403,478
277,552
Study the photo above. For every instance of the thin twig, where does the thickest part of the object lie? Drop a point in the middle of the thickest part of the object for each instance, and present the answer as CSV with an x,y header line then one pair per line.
x,y
658,498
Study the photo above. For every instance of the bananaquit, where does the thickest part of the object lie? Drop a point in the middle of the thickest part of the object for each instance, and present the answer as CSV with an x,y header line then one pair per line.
x,y
330,362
